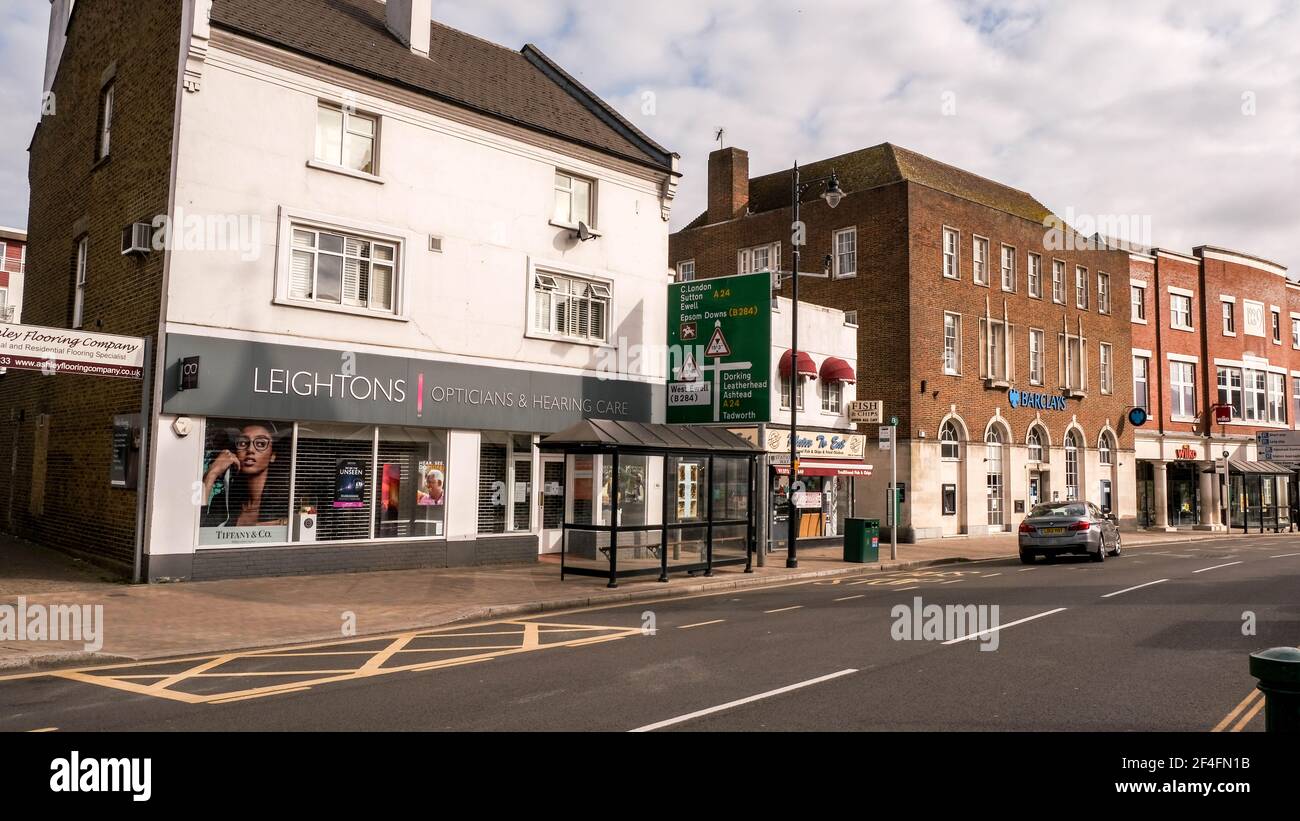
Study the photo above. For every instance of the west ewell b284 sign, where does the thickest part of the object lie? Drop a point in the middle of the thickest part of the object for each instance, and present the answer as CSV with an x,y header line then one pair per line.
x,y
720,350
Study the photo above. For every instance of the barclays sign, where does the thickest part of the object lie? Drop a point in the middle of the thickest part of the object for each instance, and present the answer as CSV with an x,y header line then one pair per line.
x,y
1037,401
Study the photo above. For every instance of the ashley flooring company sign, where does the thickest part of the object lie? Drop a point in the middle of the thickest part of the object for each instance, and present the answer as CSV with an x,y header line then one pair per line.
x,y
58,350
283,382
720,350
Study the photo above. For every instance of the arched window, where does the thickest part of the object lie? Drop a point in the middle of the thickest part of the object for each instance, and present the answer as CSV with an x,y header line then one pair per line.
x,y
950,447
993,473
1035,444
1106,450
1071,467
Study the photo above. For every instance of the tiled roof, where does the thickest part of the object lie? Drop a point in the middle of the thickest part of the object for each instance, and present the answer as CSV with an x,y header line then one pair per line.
x,y
522,87
885,164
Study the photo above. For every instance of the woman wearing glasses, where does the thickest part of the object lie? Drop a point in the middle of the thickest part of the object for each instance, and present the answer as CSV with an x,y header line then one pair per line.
x,y
243,468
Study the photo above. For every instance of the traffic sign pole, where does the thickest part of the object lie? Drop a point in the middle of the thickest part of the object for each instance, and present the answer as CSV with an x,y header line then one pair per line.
x,y
893,485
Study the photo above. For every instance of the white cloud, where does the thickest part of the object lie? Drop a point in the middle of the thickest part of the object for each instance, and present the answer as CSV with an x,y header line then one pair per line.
x,y
1106,107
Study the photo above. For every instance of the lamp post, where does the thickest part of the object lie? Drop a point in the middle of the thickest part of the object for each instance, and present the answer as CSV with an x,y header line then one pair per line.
x,y
832,195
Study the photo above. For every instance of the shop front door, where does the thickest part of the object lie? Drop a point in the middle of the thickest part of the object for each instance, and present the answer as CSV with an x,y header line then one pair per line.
x,y
551,498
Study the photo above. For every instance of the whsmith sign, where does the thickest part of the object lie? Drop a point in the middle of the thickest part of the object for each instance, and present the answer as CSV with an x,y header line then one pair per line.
x,y
59,350
720,350
1036,401
282,382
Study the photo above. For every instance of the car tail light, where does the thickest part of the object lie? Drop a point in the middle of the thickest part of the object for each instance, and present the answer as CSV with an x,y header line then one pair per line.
x,y
1081,526
1025,527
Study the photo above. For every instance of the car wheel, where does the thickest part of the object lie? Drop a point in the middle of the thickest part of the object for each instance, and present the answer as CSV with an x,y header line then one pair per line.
x,y
1100,555
1118,547
1026,557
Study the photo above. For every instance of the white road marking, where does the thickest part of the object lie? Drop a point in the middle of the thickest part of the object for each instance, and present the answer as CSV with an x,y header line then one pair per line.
x,y
1131,589
1285,556
738,702
1004,626
1027,569
954,581
990,575
1216,567
851,598
784,609
905,589
701,624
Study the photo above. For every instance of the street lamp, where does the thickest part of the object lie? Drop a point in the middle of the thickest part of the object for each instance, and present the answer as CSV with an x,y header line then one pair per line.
x,y
833,195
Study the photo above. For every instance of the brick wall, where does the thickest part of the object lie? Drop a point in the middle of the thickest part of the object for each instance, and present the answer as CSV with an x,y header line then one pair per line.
x,y
72,195
900,295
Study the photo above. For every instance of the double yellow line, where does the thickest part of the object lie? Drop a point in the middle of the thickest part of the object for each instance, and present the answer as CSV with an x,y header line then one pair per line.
x,y
1247,710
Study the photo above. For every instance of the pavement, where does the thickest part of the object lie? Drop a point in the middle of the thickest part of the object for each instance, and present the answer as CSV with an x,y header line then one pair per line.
x,y
1156,639
159,621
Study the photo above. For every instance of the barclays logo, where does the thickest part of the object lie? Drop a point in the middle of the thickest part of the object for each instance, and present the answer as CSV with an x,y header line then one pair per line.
x,y
1037,401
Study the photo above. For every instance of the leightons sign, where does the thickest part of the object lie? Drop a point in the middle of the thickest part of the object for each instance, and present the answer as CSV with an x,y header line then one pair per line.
x,y
1036,401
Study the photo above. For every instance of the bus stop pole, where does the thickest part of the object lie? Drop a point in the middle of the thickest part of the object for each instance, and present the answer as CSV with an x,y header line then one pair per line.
x,y
893,493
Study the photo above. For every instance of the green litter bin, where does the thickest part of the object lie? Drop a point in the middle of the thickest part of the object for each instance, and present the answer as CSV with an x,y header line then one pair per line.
x,y
861,540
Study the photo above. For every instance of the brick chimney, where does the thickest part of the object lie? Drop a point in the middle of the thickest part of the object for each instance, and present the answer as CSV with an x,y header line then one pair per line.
x,y
409,21
728,184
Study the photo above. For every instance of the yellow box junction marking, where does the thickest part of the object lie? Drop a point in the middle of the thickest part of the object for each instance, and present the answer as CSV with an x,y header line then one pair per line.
x,y
324,666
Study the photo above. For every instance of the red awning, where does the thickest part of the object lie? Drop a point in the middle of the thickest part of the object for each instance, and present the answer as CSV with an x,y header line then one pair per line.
x,y
829,467
835,369
806,366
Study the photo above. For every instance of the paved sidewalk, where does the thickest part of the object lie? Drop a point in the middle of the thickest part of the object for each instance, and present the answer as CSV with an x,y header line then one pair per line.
x,y
156,621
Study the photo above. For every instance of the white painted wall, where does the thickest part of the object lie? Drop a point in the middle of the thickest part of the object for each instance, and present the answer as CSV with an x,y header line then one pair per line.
x,y
488,197
822,333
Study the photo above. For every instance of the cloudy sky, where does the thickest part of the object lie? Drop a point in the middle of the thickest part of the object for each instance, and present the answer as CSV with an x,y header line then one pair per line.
x,y
1183,112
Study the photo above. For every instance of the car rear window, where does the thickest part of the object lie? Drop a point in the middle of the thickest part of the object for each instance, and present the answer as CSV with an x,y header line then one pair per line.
x,y
1057,510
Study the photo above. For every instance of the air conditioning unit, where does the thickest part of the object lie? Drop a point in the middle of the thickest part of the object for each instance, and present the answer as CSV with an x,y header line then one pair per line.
x,y
137,238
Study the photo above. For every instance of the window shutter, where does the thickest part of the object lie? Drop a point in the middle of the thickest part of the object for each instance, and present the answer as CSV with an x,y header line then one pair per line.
x,y
300,275
381,287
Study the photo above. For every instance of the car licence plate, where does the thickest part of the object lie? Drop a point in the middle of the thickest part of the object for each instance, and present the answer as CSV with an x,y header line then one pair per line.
x,y
1053,531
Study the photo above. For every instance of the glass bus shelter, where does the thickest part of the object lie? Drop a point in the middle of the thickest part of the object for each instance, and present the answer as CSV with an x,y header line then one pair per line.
x,y
683,500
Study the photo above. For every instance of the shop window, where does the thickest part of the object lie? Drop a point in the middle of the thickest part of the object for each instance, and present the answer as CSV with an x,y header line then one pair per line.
x,y
334,479
245,476
505,483
413,484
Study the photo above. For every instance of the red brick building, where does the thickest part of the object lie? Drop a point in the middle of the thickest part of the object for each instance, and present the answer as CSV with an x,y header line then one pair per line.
x,y
1213,328
997,336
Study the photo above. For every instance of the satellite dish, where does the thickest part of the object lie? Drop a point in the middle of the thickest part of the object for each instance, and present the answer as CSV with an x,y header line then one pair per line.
x,y
584,233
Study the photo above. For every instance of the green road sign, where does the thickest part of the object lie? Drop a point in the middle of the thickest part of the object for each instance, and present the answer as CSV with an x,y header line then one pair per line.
x,y
720,350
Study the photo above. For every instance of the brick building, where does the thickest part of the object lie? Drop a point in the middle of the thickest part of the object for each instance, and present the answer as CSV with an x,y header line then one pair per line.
x,y
1213,328
13,270
996,336
371,284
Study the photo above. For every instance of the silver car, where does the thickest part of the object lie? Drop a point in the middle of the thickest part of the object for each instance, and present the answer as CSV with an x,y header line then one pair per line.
x,y
1069,527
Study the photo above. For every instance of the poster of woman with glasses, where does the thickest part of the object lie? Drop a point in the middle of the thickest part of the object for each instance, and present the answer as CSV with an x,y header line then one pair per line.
x,y
245,483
